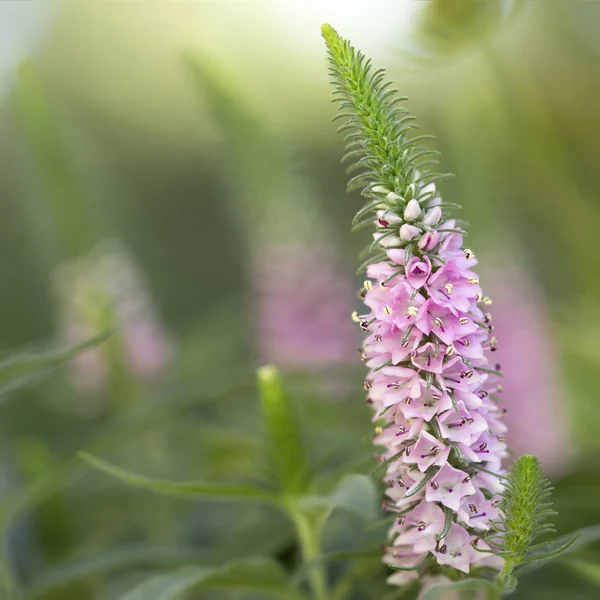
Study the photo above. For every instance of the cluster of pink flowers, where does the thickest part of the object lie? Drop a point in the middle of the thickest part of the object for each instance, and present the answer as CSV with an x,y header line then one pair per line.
x,y
432,387
103,290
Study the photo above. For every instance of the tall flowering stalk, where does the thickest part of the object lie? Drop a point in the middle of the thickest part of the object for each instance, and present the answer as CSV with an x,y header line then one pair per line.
x,y
431,384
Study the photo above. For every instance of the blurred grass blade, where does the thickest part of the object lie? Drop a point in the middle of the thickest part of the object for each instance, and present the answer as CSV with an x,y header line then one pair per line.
x,y
21,369
65,198
182,489
258,575
285,446
473,587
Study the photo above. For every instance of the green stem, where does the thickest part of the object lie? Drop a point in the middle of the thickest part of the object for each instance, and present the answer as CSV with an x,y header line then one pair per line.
x,y
309,535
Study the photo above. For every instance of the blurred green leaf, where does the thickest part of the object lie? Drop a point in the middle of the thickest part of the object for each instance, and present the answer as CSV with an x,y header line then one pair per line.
x,y
157,411
464,587
258,575
584,569
355,493
22,369
286,449
271,194
450,26
182,489
115,559
64,196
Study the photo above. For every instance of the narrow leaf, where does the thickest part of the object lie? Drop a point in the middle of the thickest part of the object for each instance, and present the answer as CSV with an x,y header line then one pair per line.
x,y
182,489
24,368
578,539
286,447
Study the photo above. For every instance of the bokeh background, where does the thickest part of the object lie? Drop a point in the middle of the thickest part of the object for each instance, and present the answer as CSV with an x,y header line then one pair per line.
x,y
169,169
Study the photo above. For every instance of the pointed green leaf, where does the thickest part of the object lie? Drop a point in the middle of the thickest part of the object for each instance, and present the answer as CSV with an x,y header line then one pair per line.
x,y
257,575
286,449
572,541
182,489
549,550
22,369
462,588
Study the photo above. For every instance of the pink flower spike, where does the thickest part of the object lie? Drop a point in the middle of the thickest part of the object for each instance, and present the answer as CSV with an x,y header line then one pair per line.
x,y
449,486
433,382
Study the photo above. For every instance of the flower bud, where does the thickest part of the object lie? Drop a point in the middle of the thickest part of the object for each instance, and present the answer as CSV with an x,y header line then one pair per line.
x,y
412,210
429,241
408,232
396,255
433,216
388,242
386,217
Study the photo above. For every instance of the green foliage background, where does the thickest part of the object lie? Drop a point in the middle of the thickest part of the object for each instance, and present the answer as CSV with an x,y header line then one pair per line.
x,y
106,132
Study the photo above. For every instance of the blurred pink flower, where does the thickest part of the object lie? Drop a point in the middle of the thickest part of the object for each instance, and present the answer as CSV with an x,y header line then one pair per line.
x,y
103,290
533,393
302,300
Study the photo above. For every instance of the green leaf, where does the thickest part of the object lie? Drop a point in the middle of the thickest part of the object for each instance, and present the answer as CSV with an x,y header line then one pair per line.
x,y
549,550
257,575
355,493
286,449
449,27
182,489
462,588
22,369
584,569
572,541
